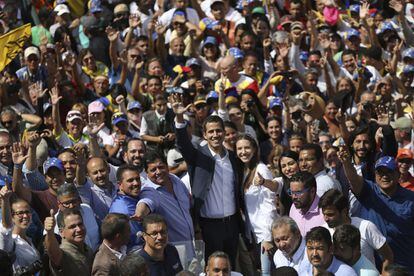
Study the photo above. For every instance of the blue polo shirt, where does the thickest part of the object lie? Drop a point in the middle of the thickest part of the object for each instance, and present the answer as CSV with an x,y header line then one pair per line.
x,y
171,264
124,204
394,217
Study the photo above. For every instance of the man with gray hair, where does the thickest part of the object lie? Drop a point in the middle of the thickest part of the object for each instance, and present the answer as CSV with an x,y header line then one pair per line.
x,y
289,241
219,264
68,198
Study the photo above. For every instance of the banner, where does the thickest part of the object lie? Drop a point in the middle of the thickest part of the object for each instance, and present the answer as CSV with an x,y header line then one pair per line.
x,y
12,43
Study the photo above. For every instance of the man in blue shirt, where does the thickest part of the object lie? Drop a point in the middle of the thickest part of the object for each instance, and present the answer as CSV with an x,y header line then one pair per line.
x,y
166,194
385,203
127,198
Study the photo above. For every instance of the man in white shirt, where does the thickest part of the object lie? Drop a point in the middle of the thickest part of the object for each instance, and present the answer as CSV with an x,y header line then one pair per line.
x,y
335,209
320,258
291,246
219,264
347,248
311,160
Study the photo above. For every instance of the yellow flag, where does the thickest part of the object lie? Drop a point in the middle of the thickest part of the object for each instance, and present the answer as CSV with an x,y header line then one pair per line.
x,y
12,43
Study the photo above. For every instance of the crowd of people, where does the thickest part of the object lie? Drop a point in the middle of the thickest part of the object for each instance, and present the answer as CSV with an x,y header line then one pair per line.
x,y
208,137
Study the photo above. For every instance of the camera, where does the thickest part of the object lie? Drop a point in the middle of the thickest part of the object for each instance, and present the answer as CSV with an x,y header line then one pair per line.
x,y
367,106
30,269
250,103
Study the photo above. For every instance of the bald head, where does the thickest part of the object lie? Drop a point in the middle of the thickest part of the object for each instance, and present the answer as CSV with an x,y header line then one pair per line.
x,y
98,171
229,68
227,61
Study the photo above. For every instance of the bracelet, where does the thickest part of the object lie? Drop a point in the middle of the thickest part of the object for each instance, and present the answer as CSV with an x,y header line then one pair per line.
x,y
18,166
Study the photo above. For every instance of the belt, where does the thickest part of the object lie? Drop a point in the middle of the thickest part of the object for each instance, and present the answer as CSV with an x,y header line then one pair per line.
x,y
222,220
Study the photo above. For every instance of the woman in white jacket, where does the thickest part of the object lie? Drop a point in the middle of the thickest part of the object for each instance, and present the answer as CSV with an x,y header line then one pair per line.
x,y
259,192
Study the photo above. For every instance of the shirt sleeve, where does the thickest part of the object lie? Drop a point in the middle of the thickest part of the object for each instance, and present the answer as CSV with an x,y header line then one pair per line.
x,y
144,127
6,239
149,198
374,237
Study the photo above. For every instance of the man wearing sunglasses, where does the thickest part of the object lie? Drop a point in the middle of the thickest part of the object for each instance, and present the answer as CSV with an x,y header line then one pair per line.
x,y
305,211
386,204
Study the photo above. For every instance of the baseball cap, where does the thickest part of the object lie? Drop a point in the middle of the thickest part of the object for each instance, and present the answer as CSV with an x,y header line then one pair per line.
x,y
286,19
121,8
192,62
296,25
211,96
119,117
386,26
386,162
408,69
275,102
95,6
89,21
405,154
72,115
408,53
236,52
304,55
258,10
32,50
199,100
61,9
133,105
179,16
52,162
354,8
402,123
351,33
210,40
46,106
95,107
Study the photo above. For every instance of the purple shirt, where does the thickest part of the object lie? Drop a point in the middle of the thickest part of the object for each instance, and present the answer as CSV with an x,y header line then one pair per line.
x,y
312,218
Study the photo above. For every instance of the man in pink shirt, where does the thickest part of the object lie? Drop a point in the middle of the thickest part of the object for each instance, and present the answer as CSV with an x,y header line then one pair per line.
x,y
305,211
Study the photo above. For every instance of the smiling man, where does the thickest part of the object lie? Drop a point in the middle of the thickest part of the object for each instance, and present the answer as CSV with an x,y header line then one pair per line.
x,y
319,250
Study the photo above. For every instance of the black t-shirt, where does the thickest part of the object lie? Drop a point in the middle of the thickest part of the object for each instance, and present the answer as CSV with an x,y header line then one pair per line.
x,y
171,264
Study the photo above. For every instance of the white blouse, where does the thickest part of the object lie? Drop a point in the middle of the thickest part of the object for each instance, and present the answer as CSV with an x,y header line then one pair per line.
x,y
260,205
26,253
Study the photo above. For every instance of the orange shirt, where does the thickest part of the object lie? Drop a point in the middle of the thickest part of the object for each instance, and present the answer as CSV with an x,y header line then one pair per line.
x,y
409,184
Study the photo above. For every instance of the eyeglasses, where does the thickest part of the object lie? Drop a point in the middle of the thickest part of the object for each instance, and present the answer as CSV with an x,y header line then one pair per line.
x,y
155,235
298,193
200,106
8,148
22,213
405,160
69,203
7,122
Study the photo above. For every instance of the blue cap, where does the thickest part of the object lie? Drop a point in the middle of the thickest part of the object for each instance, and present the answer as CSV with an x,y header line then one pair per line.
x,y
354,8
276,102
386,26
104,101
304,55
192,61
134,104
46,106
53,162
96,6
210,40
118,118
408,53
211,96
387,162
236,52
408,69
351,33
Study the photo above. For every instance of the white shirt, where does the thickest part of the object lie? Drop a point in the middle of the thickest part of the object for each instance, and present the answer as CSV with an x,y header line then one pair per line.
x,y
220,201
144,124
337,267
280,259
371,238
325,182
260,206
26,253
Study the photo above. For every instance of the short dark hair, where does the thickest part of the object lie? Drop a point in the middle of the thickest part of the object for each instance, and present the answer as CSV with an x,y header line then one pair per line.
x,y
150,77
348,52
333,197
306,178
285,271
132,264
113,224
151,219
132,139
347,234
219,254
69,150
67,189
152,156
65,213
212,119
123,168
273,118
319,234
316,148
315,52
230,124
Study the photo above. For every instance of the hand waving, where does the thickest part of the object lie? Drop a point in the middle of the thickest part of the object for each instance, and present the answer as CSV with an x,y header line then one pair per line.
x,y
18,154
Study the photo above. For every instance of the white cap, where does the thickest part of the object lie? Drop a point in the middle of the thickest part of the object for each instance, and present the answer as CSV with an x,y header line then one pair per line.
x,y
61,9
32,50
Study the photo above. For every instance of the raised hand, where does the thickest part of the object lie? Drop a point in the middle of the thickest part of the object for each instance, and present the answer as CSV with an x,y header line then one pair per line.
x,y
54,95
5,193
177,104
93,129
33,139
112,34
166,81
18,154
343,154
50,222
258,180
80,151
267,42
397,6
160,29
37,89
134,21
383,118
364,10
119,100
